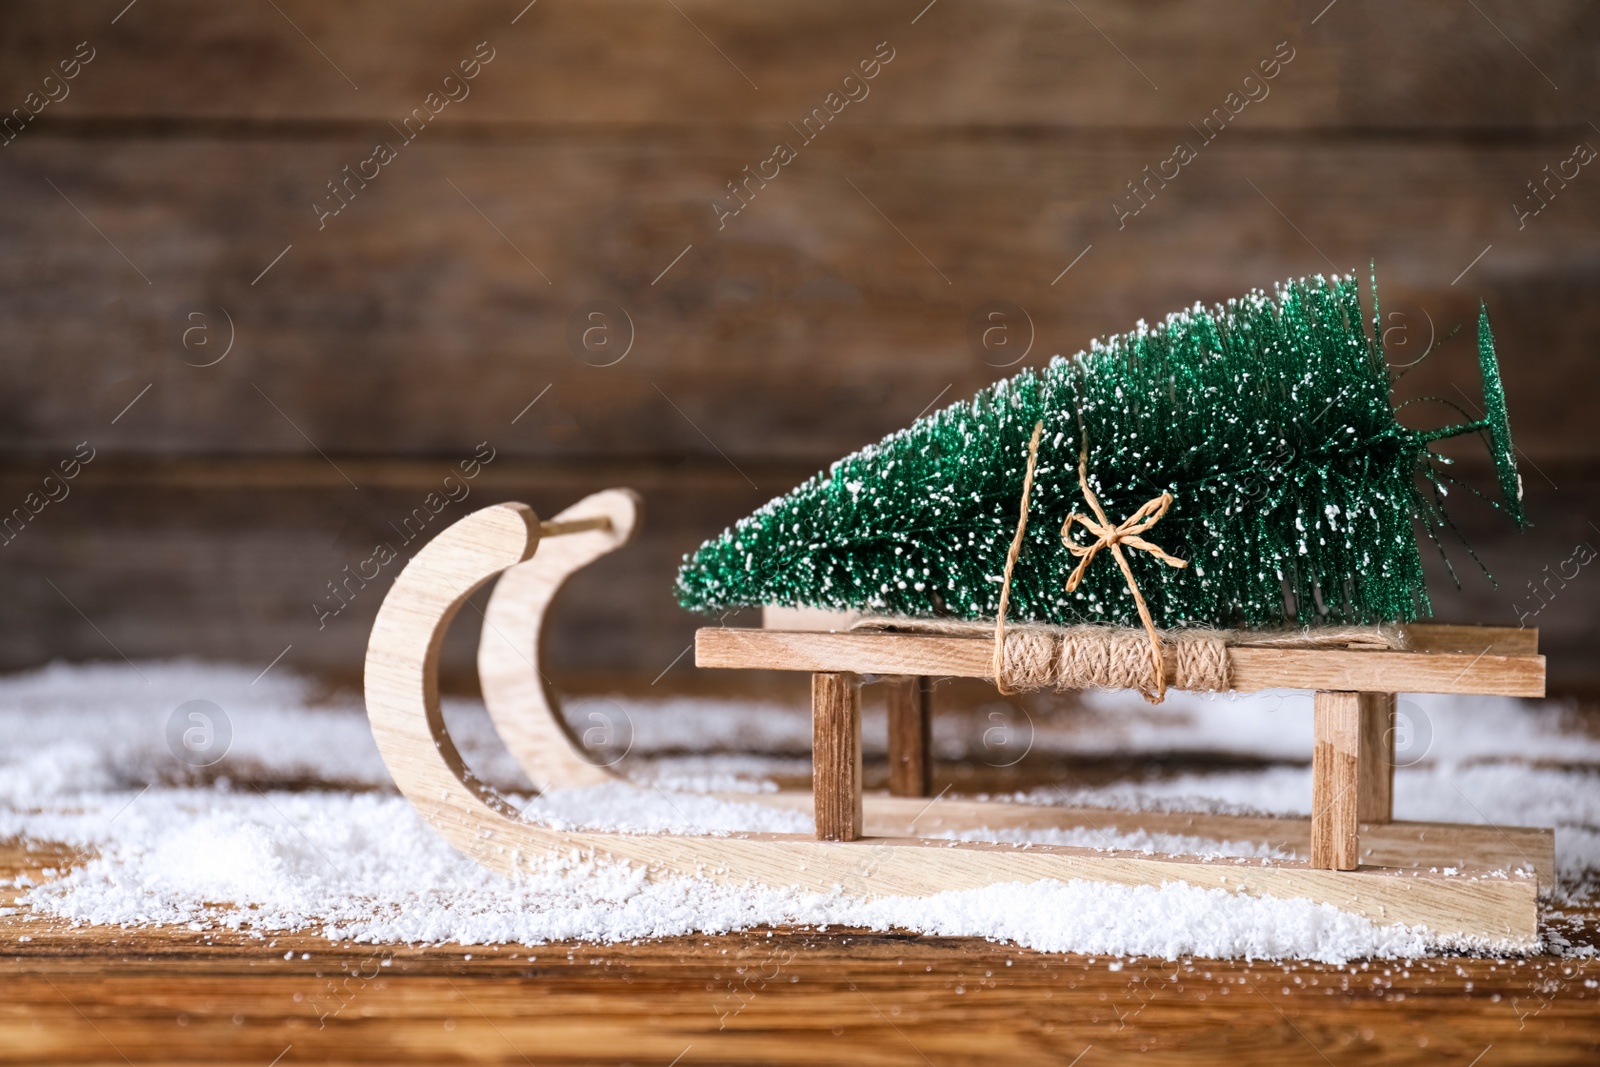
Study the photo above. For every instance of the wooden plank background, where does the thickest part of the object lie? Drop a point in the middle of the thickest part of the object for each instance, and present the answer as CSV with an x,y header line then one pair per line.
x,y
176,176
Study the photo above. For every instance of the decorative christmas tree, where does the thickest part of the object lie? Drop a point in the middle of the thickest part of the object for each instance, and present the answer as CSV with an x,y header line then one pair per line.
x,y
1296,494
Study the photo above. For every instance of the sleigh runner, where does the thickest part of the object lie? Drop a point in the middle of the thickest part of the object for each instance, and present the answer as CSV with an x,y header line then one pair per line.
x,y
1475,883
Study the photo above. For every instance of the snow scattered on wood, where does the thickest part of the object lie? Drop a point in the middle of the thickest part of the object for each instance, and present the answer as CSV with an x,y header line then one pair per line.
x,y
340,852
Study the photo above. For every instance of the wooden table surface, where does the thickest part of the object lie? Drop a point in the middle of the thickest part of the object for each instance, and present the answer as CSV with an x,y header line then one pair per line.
x,y
109,996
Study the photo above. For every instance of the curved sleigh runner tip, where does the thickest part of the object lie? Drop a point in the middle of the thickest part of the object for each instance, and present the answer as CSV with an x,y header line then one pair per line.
x,y
874,852
524,707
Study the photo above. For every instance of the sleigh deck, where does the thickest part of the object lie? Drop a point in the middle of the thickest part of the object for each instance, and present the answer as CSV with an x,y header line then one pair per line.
x,y
1485,660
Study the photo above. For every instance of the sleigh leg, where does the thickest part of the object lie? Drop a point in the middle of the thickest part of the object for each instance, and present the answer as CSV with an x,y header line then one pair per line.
x,y
1335,774
1375,761
910,770
836,755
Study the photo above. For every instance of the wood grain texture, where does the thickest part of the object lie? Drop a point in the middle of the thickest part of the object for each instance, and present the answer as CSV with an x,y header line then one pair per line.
x,y
521,701
1415,636
148,547
1375,759
410,329
1406,672
79,995
1336,765
1250,669
910,735
1401,845
811,278
836,756
415,323
986,63
1471,640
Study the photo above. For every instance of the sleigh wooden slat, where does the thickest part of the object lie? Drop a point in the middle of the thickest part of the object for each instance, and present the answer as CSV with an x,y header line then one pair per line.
x,y
1250,669
1399,844
1452,637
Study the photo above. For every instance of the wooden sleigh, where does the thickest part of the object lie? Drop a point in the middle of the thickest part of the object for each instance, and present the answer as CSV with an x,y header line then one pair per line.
x,y
1473,883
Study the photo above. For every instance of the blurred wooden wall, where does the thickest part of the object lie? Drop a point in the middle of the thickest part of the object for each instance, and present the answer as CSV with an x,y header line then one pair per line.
x,y
164,204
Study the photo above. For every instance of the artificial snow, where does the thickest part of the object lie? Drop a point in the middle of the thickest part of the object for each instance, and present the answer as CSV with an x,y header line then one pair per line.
x,y
299,826
365,868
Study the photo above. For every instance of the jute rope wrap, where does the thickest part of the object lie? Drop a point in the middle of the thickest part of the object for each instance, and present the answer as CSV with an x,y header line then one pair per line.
x,y
1108,657
1094,657
1000,673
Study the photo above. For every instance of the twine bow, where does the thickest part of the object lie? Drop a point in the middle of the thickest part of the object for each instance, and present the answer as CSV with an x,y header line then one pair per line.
x,y
1114,537
1106,536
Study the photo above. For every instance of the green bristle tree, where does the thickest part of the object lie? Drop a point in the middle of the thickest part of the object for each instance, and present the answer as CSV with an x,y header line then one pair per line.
x,y
1298,496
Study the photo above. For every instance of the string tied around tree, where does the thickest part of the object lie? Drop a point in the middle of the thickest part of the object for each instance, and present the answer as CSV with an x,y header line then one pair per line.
x,y
1107,535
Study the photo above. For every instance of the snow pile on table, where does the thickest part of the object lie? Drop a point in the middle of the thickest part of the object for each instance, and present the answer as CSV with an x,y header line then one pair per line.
x,y
260,842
